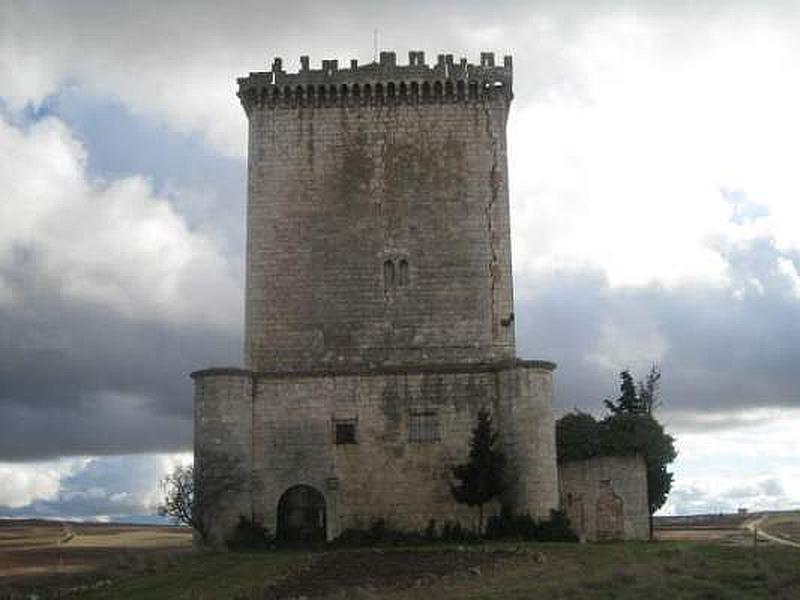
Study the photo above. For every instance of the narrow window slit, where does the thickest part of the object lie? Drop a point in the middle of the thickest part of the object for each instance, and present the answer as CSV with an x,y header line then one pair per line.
x,y
388,274
402,278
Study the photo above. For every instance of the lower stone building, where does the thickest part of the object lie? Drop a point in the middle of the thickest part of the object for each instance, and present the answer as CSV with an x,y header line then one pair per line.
x,y
319,453
605,497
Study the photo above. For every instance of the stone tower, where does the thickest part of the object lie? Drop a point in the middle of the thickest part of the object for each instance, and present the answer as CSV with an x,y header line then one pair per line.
x,y
378,228
379,303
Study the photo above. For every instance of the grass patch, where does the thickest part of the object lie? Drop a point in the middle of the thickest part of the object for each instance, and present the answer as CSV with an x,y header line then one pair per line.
x,y
206,575
492,571
148,563
633,571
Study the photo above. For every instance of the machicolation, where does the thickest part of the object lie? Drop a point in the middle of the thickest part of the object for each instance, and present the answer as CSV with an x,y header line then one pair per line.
x,y
384,82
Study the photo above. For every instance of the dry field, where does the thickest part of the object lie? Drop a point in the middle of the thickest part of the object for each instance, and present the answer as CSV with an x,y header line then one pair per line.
x,y
730,529
722,529
110,561
55,554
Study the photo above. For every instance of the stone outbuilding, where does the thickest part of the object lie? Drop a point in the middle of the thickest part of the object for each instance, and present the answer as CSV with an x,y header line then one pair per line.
x,y
605,497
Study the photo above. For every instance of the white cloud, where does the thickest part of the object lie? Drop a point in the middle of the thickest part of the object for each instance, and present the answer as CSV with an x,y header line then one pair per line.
x,y
87,486
788,270
751,463
629,121
627,173
166,464
161,60
750,434
23,483
113,244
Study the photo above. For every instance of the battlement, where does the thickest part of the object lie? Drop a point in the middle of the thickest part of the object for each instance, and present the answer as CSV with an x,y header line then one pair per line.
x,y
383,82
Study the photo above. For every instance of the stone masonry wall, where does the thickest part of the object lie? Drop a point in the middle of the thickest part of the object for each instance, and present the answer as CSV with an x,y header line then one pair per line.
x,y
378,230
385,475
378,292
528,434
223,448
606,497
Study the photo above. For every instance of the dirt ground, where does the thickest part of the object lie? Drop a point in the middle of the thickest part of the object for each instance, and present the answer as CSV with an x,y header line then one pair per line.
x,y
374,569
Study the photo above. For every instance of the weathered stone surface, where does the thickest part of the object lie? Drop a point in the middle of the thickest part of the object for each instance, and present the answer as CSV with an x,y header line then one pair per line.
x,y
605,498
379,295
223,448
385,475
378,233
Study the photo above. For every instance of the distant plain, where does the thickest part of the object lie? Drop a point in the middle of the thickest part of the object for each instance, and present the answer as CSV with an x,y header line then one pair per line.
x,y
713,556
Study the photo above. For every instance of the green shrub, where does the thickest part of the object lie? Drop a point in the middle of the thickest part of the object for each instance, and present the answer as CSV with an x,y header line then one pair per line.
x,y
524,527
453,531
503,526
250,536
557,528
430,531
378,533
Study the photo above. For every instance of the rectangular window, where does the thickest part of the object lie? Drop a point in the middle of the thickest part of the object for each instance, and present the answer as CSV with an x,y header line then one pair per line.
x,y
345,432
423,426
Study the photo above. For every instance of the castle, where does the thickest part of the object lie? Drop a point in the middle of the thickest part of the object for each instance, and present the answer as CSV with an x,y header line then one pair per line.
x,y
379,305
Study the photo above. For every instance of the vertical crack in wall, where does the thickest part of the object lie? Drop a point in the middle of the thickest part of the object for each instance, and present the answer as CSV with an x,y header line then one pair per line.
x,y
488,210
384,204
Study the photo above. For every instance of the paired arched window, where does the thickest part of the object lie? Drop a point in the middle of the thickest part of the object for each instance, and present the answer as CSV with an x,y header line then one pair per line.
x,y
395,274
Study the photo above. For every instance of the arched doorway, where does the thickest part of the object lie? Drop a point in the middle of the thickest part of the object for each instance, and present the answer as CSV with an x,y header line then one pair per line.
x,y
610,514
301,515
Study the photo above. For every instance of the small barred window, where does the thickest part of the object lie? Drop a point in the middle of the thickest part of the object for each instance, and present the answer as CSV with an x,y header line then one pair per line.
x,y
423,426
345,432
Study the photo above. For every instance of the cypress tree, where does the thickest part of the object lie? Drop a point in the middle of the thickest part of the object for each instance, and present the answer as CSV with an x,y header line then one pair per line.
x,y
481,477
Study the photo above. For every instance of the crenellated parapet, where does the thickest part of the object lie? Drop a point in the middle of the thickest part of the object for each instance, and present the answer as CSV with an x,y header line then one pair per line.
x,y
378,83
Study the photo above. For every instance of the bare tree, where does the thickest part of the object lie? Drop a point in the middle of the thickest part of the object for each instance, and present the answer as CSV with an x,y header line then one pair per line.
x,y
178,490
648,390
193,496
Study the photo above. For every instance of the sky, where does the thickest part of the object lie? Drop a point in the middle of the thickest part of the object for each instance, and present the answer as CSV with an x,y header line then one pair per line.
x,y
653,152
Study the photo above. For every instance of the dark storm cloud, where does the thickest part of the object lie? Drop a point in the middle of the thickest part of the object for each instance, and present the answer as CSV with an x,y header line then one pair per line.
x,y
78,379
723,352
